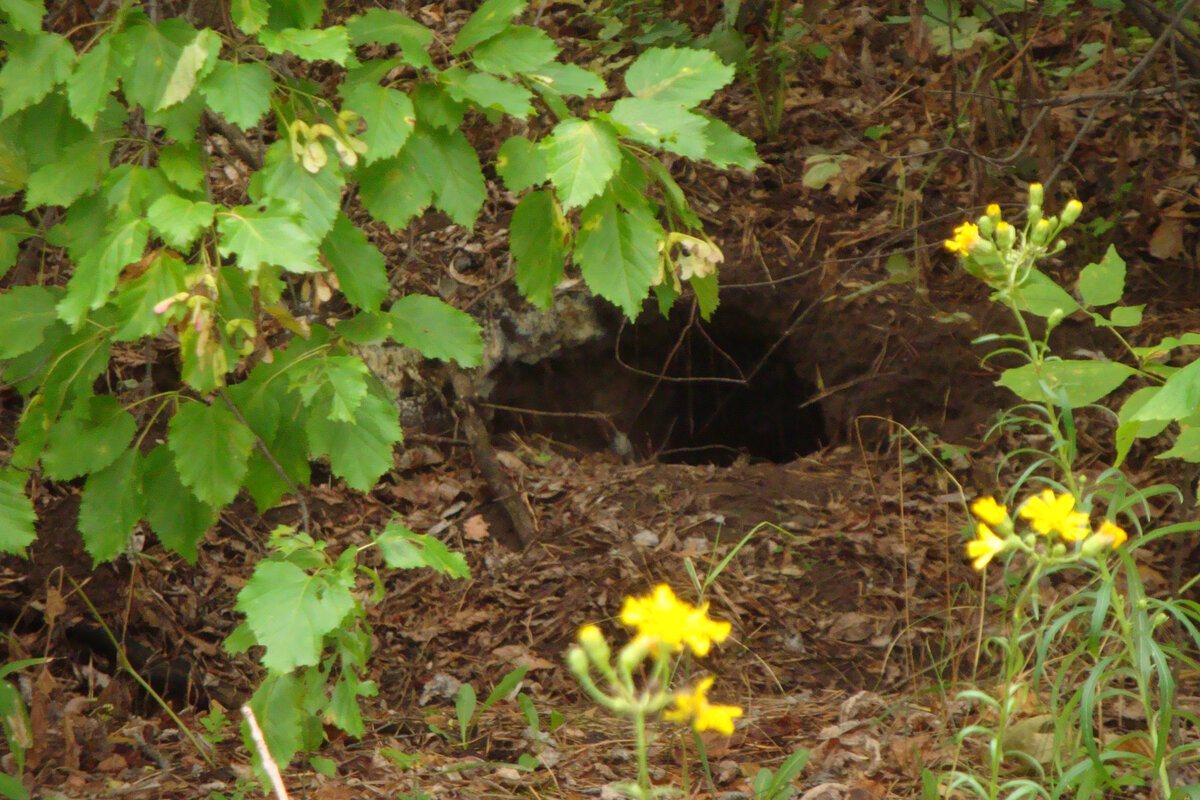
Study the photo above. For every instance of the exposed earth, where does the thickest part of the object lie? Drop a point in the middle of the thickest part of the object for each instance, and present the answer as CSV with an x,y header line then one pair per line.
x,y
832,459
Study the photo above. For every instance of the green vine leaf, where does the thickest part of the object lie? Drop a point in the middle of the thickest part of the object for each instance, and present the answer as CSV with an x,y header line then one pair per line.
x,y
210,448
317,195
394,190
360,267
581,157
514,50
89,436
240,91
665,125
270,233
682,76
93,79
25,314
324,44
176,516
389,114
17,516
392,27
360,451
37,62
25,15
179,220
111,506
728,148
617,252
567,80
521,164
488,20
403,549
97,271
436,329
249,15
451,167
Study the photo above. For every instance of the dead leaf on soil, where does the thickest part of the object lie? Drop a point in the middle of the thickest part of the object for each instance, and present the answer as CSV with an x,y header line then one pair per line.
x,y
475,529
1167,240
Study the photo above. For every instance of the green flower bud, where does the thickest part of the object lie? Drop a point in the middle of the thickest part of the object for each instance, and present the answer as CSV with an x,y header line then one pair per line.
x,y
594,644
1056,316
1071,213
1036,195
1041,231
1058,550
986,225
1006,235
634,653
577,660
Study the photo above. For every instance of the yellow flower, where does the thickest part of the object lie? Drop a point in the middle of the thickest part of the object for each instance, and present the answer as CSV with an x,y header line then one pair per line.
x,y
1047,514
663,617
982,550
966,236
988,510
704,715
1113,533
993,211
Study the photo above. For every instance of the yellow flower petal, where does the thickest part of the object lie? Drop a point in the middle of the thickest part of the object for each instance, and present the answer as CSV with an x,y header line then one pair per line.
x,y
1048,513
663,617
1115,533
988,510
704,715
966,236
982,550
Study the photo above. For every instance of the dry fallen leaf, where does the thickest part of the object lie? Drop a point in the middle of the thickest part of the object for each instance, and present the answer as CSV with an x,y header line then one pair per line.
x,y
1167,239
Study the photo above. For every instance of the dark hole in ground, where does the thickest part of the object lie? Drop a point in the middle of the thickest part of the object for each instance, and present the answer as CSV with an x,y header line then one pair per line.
x,y
680,389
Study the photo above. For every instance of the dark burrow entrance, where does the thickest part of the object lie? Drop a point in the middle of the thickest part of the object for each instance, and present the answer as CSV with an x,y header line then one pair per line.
x,y
679,389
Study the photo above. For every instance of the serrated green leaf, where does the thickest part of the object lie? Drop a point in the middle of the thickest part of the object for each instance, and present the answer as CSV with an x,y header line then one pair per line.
x,y
393,27
403,549
210,448
322,44
682,76
340,380
538,234
268,233
1042,296
97,272
342,710
92,80
1102,284
291,612
581,157
36,63
488,92
707,297
241,92
1080,383
617,253
64,366
164,276
394,190
151,53
488,20
389,114
178,220
666,125
181,120
289,451
450,166
366,327
295,13
195,58
63,182
521,164
249,15
514,50
111,506
129,189
88,437
181,163
436,108
628,187
728,148
25,314
361,451
317,195
568,80
25,15
280,699
436,329
17,516
360,268
13,231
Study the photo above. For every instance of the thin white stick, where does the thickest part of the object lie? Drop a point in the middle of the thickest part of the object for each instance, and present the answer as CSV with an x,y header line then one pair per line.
x,y
272,769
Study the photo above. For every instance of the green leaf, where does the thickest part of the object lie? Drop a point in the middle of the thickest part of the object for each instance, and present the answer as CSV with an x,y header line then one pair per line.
x,y
567,80
296,13
241,91
249,15
290,612
1177,398
666,125
181,164
630,191
1081,382
727,147
97,272
706,294
464,709
269,233
61,183
682,76
436,108
617,253
488,20
323,44
279,699
64,366
181,120
210,448
25,15
403,549
1186,447
514,50
340,380
437,330
25,314
393,27
1103,284
17,516
521,164
581,156
318,195
1040,295
196,57
820,169
150,55
1125,317
93,79
289,449
361,451
394,190
89,436
13,231
37,62
111,506
450,166
389,114
135,300
538,234
130,189
367,327
342,710
360,268
178,220
488,92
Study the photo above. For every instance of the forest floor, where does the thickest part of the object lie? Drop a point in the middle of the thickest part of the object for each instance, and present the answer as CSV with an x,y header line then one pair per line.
x,y
855,616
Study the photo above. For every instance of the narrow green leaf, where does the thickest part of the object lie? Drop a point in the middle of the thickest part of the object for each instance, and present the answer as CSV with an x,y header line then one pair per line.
x,y
581,156
135,300
538,233
450,166
665,125
521,164
92,80
514,50
394,190
436,329
361,269
617,253
487,21
707,297
111,506
36,63
1080,382
318,195
241,91
568,80
464,709
17,516
385,26
89,436
1103,284
249,15
25,314
323,44
683,76
210,448
25,15
195,58
270,233
361,451
97,272
389,114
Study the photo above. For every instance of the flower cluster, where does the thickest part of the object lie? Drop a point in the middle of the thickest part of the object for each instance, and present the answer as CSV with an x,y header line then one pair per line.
x,y
1051,515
